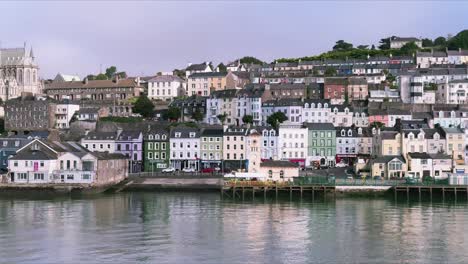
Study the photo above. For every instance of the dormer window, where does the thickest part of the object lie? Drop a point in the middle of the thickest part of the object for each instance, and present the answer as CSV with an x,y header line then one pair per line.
x,y
35,147
350,133
436,136
325,105
164,136
312,105
156,136
192,134
342,133
335,110
360,131
452,114
150,137
319,105
272,133
177,134
346,110
306,105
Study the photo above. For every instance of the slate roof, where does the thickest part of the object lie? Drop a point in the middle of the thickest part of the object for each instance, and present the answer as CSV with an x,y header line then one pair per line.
x,y
212,132
235,131
92,84
197,67
319,126
185,132
166,78
419,155
207,74
278,164
95,135
404,39
386,159
229,93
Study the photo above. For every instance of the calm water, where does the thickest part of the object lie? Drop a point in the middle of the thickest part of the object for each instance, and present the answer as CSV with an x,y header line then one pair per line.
x,y
201,228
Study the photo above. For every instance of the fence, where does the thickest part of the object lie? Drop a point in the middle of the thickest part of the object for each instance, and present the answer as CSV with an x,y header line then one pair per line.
x,y
177,175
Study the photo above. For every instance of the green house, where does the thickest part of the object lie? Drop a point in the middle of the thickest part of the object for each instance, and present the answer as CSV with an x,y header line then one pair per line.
x,y
156,149
321,143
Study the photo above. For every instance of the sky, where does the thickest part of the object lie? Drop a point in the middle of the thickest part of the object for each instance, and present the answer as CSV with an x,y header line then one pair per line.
x,y
145,37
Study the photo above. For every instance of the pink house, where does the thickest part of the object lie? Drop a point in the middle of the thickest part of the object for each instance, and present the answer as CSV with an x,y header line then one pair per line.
x,y
378,116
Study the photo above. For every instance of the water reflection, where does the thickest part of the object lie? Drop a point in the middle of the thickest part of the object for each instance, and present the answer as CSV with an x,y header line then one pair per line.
x,y
202,228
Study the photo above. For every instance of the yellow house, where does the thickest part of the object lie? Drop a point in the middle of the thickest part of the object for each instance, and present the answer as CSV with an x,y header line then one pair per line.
x,y
387,143
279,170
455,138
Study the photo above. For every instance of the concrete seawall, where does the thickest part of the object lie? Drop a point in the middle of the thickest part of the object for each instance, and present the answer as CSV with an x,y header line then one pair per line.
x,y
175,184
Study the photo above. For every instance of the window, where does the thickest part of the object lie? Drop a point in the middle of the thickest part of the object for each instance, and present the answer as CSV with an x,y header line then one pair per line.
x,y
150,155
281,174
39,176
86,176
22,176
150,145
70,177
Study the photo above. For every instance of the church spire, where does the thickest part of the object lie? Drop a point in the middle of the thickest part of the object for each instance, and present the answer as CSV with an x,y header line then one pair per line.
x,y
31,53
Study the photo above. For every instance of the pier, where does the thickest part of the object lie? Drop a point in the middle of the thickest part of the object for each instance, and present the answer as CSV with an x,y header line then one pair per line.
x,y
246,190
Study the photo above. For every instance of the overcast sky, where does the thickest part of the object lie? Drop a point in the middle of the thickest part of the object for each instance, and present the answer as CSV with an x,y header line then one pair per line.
x,y
145,37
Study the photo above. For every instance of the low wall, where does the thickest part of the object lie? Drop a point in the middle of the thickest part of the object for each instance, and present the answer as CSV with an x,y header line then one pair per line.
x,y
176,184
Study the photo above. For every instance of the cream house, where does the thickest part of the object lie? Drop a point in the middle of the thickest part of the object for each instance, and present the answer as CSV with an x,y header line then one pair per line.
x,y
279,170
389,167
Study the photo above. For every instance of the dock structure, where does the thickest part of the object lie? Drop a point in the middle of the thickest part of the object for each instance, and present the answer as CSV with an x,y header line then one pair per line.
x,y
242,191
245,191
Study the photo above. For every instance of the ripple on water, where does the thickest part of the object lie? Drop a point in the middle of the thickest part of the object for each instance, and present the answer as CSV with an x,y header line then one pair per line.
x,y
200,228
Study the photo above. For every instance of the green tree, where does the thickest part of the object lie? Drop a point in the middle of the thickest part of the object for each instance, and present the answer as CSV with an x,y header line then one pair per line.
x,y
440,41
91,77
363,47
111,71
276,119
197,115
173,114
221,67
179,73
144,106
385,43
330,71
222,118
101,76
342,45
409,48
377,124
459,41
427,42
250,60
247,119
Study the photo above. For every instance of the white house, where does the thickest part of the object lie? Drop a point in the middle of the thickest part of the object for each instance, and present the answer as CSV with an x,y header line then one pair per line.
x,y
194,68
165,87
347,144
47,162
185,148
316,111
453,92
63,114
341,115
100,141
398,42
292,143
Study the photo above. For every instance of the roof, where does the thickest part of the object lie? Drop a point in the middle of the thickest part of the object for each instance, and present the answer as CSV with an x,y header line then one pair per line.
x,y
92,84
197,67
129,135
386,159
440,156
185,132
166,78
278,164
212,132
236,131
88,110
95,135
229,93
67,77
207,74
108,156
406,39
418,155
319,126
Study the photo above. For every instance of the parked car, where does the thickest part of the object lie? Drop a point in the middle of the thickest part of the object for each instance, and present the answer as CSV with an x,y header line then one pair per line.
x,y
188,169
207,170
168,170
341,165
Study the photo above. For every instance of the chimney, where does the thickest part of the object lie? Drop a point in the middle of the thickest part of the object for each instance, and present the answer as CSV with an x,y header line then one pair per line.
x,y
85,81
